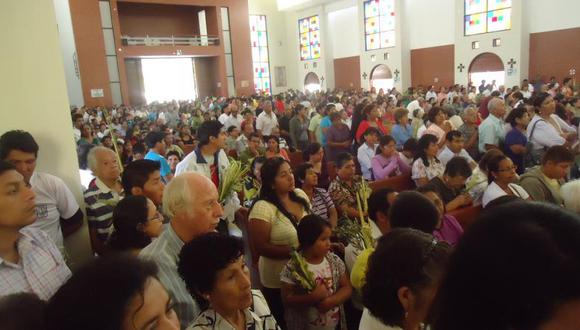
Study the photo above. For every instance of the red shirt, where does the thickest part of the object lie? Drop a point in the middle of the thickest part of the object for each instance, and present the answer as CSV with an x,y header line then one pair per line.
x,y
363,127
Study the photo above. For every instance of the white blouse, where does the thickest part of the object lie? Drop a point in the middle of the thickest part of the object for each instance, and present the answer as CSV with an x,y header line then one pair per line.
x,y
494,191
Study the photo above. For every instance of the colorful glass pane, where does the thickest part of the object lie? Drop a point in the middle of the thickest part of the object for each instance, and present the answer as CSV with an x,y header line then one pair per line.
x,y
373,41
304,26
254,39
475,24
475,6
257,71
305,53
262,23
315,51
314,38
372,25
259,44
371,8
387,23
499,20
498,4
304,39
387,7
266,84
253,23
314,23
387,39
262,39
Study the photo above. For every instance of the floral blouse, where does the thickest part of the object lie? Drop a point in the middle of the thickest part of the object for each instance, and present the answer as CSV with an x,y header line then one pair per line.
x,y
419,171
342,193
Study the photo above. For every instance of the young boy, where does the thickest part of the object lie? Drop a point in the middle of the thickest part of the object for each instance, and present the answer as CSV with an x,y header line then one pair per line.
x,y
454,147
367,151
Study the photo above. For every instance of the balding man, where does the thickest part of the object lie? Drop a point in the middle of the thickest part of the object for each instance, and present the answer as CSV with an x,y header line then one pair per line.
x,y
103,194
191,201
491,130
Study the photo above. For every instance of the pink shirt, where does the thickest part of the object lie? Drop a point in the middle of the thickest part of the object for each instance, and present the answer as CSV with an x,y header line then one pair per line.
x,y
450,230
385,167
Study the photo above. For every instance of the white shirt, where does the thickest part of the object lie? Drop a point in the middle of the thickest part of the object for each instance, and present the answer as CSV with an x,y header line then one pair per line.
x,y
223,117
266,123
364,155
369,322
494,191
545,134
430,95
41,269
53,201
446,154
234,121
77,134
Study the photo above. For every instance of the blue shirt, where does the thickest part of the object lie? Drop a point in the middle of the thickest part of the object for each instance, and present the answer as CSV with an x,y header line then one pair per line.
x,y
491,132
165,169
401,134
324,123
515,136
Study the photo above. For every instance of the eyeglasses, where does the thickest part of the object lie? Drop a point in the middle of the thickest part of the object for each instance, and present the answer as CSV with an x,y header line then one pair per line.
x,y
157,216
511,168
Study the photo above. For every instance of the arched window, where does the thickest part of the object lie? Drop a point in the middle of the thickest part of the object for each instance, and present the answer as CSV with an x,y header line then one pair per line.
x,y
311,82
381,77
488,67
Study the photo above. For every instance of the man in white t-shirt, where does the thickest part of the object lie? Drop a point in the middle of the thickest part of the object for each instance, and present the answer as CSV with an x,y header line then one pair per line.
x,y
266,120
224,116
453,148
57,211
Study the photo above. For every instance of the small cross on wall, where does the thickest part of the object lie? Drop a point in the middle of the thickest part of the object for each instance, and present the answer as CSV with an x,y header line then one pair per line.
x,y
364,75
396,73
511,63
461,67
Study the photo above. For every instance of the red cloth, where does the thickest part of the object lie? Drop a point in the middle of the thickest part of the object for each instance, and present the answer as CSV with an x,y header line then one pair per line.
x,y
280,107
363,127
483,110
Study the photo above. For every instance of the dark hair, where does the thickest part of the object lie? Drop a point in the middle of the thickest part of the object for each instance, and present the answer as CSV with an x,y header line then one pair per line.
x,y
558,154
257,160
505,199
334,116
97,295
383,141
378,202
231,128
207,129
139,148
199,270
372,130
413,210
311,149
6,166
300,173
422,145
129,214
367,110
452,135
410,145
539,99
172,153
343,158
487,156
458,166
152,138
309,230
137,173
433,113
22,311
17,140
493,166
268,175
404,257
529,249
518,95
516,113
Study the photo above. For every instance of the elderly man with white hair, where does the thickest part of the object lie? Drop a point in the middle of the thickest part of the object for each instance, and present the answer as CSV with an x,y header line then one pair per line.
x,y
491,130
570,192
191,201
103,194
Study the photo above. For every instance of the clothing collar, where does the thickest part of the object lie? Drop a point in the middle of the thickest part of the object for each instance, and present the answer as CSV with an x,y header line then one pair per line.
x,y
24,243
173,241
252,319
201,160
102,186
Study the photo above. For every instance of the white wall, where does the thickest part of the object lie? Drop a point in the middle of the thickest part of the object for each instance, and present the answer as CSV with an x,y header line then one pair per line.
x,y
34,96
347,36
68,50
552,15
430,23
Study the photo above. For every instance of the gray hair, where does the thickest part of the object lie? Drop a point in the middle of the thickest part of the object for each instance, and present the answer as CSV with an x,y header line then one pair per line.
x,y
92,162
570,192
494,103
177,195
469,108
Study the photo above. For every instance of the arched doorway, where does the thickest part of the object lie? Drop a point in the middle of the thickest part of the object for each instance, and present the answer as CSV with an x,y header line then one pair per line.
x,y
488,67
381,77
311,82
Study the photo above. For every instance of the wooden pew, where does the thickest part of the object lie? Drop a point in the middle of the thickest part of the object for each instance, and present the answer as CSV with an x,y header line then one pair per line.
x,y
466,215
398,183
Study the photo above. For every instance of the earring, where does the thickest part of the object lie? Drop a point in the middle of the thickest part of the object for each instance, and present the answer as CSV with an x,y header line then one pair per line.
x,y
406,315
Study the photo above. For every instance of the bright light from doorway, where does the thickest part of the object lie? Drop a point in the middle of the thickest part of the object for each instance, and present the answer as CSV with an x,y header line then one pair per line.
x,y
385,84
312,87
498,76
167,79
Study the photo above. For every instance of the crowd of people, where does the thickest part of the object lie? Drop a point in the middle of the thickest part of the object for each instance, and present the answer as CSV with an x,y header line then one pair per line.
x,y
172,253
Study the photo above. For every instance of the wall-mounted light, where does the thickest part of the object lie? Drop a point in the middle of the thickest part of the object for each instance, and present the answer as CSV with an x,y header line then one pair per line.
x,y
373,58
475,45
386,56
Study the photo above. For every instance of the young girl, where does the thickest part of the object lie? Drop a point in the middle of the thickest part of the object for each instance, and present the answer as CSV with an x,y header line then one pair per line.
x,y
321,309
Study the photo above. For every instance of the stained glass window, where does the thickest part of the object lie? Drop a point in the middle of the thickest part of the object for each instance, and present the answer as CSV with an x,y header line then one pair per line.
x,y
260,59
309,30
379,24
483,16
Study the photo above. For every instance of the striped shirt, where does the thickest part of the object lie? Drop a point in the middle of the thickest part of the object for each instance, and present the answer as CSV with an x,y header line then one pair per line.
x,y
321,203
41,269
100,201
164,251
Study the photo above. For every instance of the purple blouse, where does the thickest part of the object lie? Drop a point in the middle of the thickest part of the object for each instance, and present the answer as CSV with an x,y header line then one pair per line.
x,y
385,167
450,230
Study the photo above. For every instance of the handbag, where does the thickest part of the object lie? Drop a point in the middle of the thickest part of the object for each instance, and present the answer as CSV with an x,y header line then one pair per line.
x,y
534,155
